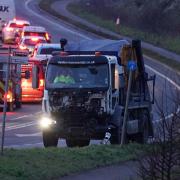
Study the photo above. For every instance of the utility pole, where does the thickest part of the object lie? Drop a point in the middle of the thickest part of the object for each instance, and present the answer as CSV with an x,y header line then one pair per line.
x,y
131,67
5,102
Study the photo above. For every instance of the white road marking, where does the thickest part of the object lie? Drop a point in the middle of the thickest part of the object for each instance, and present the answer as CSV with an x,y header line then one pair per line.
x,y
25,116
56,24
19,126
167,117
53,23
38,134
163,76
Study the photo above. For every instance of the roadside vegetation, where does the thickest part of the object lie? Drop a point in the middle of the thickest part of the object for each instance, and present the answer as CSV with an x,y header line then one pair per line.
x,y
76,9
156,22
53,163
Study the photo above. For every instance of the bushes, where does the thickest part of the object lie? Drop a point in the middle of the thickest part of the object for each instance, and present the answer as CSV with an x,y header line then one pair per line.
x,y
157,16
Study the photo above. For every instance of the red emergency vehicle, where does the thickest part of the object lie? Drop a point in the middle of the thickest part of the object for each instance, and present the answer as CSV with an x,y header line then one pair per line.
x,y
11,60
28,93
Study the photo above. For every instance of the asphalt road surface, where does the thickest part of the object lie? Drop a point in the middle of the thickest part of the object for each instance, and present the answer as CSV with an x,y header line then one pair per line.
x,y
22,126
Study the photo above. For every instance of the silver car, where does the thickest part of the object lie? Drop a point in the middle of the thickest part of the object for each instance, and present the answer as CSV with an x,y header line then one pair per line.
x,y
44,51
29,42
12,30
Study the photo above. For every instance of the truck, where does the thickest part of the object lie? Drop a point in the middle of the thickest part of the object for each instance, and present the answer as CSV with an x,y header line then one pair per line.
x,y
11,61
28,93
7,13
93,105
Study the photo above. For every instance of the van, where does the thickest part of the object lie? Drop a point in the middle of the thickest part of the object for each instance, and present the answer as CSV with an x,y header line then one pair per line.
x,y
7,12
36,31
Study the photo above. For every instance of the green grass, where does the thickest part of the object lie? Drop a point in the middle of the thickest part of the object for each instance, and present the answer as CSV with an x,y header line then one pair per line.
x,y
52,163
169,62
167,42
45,5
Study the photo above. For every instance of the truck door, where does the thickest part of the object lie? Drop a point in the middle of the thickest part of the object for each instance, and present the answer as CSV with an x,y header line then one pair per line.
x,y
114,94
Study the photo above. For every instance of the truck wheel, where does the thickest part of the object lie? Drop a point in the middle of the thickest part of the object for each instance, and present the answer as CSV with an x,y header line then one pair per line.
x,y
77,142
116,136
142,137
50,139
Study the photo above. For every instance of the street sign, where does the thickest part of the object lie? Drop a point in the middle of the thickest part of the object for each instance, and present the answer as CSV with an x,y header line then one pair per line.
x,y
132,65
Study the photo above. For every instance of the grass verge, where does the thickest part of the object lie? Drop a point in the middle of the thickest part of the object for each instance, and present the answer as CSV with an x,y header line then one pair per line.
x,y
164,41
169,62
53,163
46,5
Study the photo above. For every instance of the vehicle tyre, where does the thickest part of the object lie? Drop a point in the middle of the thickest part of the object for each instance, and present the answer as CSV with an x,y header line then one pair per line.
x,y
116,136
117,121
142,137
77,142
50,139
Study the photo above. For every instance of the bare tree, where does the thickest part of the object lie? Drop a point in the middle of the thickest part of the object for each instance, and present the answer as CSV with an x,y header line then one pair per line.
x,y
163,157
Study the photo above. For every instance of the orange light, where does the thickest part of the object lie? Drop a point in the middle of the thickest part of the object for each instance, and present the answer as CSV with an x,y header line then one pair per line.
x,y
9,29
8,97
14,19
34,39
97,53
47,36
22,47
41,82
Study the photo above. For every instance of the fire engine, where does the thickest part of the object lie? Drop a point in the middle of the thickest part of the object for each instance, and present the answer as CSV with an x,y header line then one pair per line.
x,y
11,60
28,93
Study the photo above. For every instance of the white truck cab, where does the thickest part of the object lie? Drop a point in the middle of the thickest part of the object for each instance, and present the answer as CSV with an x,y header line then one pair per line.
x,y
7,12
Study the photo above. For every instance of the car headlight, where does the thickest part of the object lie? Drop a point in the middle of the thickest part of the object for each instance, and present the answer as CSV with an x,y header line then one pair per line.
x,y
46,122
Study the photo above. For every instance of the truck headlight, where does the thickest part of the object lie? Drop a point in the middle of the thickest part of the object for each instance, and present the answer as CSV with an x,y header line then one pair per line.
x,y
46,122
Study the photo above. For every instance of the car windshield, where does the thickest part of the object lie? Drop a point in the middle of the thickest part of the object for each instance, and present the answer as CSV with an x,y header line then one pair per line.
x,y
31,42
48,50
77,76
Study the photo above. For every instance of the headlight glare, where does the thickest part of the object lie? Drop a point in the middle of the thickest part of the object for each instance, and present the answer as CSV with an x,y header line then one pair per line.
x,y
46,122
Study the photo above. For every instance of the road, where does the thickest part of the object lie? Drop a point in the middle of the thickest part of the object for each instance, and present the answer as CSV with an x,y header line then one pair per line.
x,y
22,128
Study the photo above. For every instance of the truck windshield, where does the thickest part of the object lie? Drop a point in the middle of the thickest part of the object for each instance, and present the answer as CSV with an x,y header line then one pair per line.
x,y
77,76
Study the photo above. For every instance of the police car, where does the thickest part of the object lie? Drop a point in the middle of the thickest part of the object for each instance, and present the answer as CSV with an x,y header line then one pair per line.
x,y
12,30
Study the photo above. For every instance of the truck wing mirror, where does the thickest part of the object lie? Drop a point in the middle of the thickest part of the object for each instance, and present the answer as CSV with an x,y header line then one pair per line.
x,y
35,79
